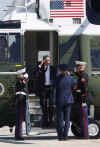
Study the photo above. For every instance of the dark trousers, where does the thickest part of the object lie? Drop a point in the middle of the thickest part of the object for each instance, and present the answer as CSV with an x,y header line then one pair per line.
x,y
84,120
63,120
20,114
46,105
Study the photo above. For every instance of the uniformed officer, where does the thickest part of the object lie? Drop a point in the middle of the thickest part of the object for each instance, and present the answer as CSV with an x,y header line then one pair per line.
x,y
63,101
80,98
20,102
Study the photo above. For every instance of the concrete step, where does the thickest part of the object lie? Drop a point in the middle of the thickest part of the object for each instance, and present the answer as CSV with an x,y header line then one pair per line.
x,y
35,120
34,101
35,111
34,106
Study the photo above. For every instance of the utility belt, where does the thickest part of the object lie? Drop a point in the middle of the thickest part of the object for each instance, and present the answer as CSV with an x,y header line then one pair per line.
x,y
20,92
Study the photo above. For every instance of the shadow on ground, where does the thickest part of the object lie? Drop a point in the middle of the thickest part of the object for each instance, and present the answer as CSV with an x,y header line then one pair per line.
x,y
6,139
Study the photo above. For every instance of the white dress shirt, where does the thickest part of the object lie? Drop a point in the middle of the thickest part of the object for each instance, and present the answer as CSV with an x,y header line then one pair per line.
x,y
47,76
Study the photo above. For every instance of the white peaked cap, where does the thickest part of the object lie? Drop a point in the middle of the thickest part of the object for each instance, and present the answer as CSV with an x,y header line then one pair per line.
x,y
21,71
80,63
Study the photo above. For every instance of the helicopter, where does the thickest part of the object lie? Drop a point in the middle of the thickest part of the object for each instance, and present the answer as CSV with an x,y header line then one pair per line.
x,y
68,30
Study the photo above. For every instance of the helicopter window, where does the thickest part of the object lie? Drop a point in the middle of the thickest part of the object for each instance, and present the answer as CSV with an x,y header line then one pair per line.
x,y
10,48
95,58
14,48
95,53
3,47
69,51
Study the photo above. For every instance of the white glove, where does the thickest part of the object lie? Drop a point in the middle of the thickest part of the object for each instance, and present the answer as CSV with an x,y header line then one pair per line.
x,y
26,76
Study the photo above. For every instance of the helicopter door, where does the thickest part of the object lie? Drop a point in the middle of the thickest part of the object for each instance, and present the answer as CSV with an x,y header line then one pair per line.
x,y
38,44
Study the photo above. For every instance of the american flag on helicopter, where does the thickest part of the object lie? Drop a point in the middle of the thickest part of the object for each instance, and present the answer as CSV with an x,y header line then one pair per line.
x,y
66,8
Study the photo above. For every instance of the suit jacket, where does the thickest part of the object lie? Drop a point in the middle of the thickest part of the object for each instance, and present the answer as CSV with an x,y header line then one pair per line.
x,y
37,78
42,75
64,85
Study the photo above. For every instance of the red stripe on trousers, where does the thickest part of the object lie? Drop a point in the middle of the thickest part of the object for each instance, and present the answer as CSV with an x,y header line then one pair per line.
x,y
20,119
84,122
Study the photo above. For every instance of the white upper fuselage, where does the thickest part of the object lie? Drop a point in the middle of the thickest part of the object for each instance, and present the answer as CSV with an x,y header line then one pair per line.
x,y
64,25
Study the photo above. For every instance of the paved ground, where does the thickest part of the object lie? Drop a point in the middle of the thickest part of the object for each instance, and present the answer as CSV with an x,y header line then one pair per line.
x,y
43,138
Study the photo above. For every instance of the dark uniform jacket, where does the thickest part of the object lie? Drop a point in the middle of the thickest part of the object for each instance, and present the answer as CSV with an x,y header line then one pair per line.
x,y
21,89
81,91
64,84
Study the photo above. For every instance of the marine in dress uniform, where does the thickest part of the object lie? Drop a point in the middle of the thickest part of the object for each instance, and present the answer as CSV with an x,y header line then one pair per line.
x,y
63,101
80,98
46,80
20,103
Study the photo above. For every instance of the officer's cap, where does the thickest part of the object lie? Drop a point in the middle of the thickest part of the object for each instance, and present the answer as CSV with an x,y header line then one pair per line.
x,y
63,67
80,63
21,71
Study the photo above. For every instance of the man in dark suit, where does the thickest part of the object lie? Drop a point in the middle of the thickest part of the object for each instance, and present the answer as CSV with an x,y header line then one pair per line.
x,y
63,101
46,81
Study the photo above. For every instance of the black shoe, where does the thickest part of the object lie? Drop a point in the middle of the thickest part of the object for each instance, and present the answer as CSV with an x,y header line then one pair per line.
x,y
86,138
50,124
60,138
44,124
65,138
19,138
